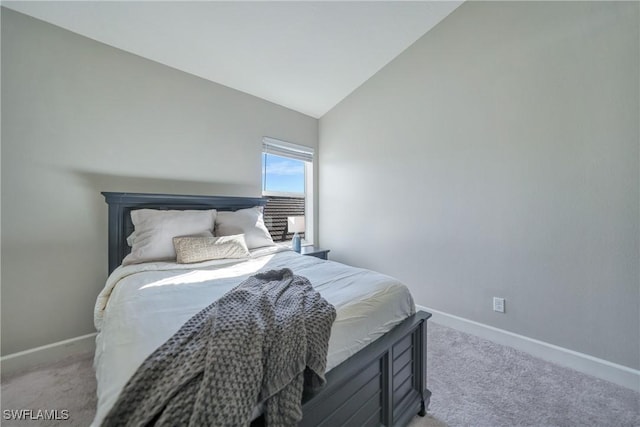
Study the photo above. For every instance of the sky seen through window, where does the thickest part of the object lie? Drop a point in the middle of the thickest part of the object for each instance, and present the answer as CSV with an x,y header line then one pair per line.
x,y
282,174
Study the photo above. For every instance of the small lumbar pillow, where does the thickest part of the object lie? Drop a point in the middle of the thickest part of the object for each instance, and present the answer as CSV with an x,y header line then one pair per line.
x,y
191,249
155,230
244,221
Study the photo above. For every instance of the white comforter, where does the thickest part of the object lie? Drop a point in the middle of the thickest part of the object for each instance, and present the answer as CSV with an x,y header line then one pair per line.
x,y
142,305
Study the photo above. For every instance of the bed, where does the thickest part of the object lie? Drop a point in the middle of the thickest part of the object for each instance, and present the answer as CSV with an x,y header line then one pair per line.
x,y
376,378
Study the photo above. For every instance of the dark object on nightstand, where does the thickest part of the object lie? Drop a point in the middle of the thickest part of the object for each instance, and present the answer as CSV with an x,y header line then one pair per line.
x,y
315,251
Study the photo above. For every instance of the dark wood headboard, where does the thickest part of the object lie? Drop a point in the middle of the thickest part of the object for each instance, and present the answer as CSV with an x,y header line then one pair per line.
x,y
121,204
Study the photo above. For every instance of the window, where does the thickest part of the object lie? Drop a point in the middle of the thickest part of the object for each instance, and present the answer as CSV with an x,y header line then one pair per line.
x,y
287,181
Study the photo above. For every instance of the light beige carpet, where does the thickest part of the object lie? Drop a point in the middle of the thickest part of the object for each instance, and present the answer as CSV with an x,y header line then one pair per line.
x,y
67,385
474,383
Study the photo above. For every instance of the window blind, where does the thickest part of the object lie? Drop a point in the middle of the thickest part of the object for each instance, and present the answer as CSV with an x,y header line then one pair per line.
x,y
287,149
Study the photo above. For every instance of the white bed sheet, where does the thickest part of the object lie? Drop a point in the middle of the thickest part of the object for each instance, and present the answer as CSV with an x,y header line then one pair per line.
x,y
143,305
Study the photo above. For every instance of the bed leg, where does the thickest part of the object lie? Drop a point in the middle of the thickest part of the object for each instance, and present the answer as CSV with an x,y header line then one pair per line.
x,y
424,404
422,411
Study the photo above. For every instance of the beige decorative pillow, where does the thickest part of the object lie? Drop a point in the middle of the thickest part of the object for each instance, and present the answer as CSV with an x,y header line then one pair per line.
x,y
190,249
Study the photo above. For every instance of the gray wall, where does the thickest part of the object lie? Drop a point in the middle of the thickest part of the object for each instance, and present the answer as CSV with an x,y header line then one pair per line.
x,y
499,156
80,117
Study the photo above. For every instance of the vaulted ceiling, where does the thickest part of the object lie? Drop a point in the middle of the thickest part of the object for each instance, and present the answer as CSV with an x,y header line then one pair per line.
x,y
304,55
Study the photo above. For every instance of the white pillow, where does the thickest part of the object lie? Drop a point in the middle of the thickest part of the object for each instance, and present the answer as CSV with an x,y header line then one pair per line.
x,y
190,249
155,230
131,239
244,221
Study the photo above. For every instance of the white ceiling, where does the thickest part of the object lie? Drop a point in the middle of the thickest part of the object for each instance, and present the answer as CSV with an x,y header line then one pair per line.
x,y
303,55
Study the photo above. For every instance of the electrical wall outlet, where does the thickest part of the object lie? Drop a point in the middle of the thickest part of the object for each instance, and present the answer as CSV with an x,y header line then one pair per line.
x,y
498,304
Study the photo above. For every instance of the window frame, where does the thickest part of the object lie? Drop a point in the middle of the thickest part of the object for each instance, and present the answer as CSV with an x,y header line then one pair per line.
x,y
307,156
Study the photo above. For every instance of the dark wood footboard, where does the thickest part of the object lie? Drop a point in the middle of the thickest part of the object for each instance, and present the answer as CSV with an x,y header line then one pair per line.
x,y
383,384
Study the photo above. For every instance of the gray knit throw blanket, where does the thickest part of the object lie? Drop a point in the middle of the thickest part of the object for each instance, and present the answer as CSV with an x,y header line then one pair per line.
x,y
264,340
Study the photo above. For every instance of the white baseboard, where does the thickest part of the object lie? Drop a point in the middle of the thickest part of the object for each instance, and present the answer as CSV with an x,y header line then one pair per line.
x,y
27,359
599,368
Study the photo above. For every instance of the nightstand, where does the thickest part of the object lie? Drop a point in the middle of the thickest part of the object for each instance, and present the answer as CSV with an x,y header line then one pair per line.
x,y
315,251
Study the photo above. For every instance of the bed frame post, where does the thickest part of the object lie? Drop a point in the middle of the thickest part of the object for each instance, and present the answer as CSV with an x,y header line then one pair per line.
x,y
115,225
422,379
387,389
